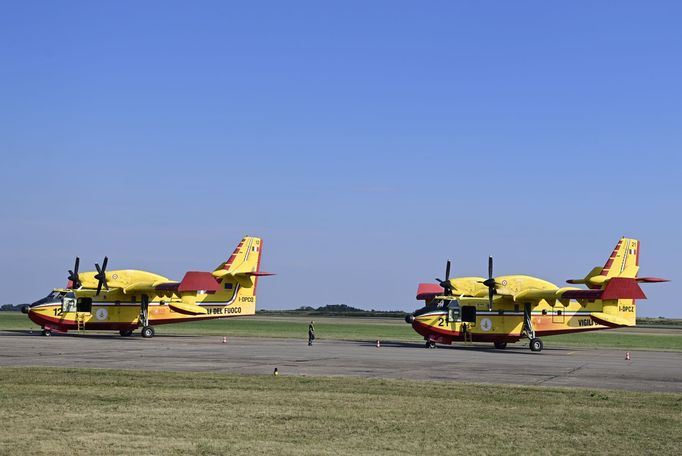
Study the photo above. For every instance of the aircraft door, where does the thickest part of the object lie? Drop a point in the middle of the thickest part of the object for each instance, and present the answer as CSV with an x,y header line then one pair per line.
x,y
84,305
469,314
558,315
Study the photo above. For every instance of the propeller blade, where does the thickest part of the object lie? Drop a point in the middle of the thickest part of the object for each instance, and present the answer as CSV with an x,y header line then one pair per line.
x,y
73,275
490,283
447,270
101,276
491,292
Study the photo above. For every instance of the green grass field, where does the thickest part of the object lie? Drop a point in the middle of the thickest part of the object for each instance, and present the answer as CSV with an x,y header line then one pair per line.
x,y
385,329
84,411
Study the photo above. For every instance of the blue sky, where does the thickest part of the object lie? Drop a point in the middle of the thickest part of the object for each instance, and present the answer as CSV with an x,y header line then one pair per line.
x,y
366,142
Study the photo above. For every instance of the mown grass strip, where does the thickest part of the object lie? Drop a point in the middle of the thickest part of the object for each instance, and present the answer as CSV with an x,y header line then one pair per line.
x,y
79,411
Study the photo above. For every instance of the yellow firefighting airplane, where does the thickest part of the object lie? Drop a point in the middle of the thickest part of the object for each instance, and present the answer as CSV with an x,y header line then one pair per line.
x,y
124,300
507,308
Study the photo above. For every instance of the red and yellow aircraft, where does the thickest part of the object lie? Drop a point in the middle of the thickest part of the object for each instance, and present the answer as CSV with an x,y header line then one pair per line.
x,y
126,299
507,308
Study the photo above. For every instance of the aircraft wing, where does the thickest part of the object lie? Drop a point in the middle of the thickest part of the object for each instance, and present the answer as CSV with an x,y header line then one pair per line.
x,y
159,285
533,294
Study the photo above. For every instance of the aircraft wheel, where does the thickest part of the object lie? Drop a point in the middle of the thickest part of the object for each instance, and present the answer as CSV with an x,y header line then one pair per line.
x,y
536,345
501,345
430,344
47,332
126,332
147,332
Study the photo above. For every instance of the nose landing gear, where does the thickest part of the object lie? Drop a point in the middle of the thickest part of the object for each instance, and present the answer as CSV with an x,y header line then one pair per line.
x,y
430,344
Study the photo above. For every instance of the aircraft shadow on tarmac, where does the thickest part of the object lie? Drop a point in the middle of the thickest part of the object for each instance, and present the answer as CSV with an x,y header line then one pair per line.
x,y
516,350
37,333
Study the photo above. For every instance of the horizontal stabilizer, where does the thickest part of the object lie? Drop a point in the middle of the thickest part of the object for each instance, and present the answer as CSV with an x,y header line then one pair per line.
x,y
187,309
260,274
651,280
222,273
592,279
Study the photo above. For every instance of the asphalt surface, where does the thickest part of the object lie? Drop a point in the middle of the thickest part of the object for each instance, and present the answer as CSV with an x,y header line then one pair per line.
x,y
589,368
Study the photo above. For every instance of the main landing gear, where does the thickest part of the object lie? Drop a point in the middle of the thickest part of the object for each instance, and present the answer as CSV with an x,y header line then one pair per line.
x,y
430,344
535,342
147,331
47,332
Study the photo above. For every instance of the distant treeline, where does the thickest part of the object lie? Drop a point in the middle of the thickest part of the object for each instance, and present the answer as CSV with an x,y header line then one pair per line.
x,y
338,310
12,307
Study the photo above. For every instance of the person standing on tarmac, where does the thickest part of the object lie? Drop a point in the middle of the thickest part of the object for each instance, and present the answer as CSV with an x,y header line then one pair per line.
x,y
311,332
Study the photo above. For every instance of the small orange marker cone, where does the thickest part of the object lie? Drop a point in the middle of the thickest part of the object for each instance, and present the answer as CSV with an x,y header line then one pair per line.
x,y
378,343
627,356
224,340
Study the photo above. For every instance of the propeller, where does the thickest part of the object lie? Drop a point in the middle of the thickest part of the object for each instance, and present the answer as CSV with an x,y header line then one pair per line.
x,y
101,276
490,283
447,286
73,275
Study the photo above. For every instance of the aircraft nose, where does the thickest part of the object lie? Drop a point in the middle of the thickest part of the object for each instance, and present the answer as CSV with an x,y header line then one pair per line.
x,y
409,318
24,309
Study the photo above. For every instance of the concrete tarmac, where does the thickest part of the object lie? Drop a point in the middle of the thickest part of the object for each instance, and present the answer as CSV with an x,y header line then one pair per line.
x,y
554,366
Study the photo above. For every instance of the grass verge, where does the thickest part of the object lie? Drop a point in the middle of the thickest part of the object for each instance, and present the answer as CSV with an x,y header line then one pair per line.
x,y
84,411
